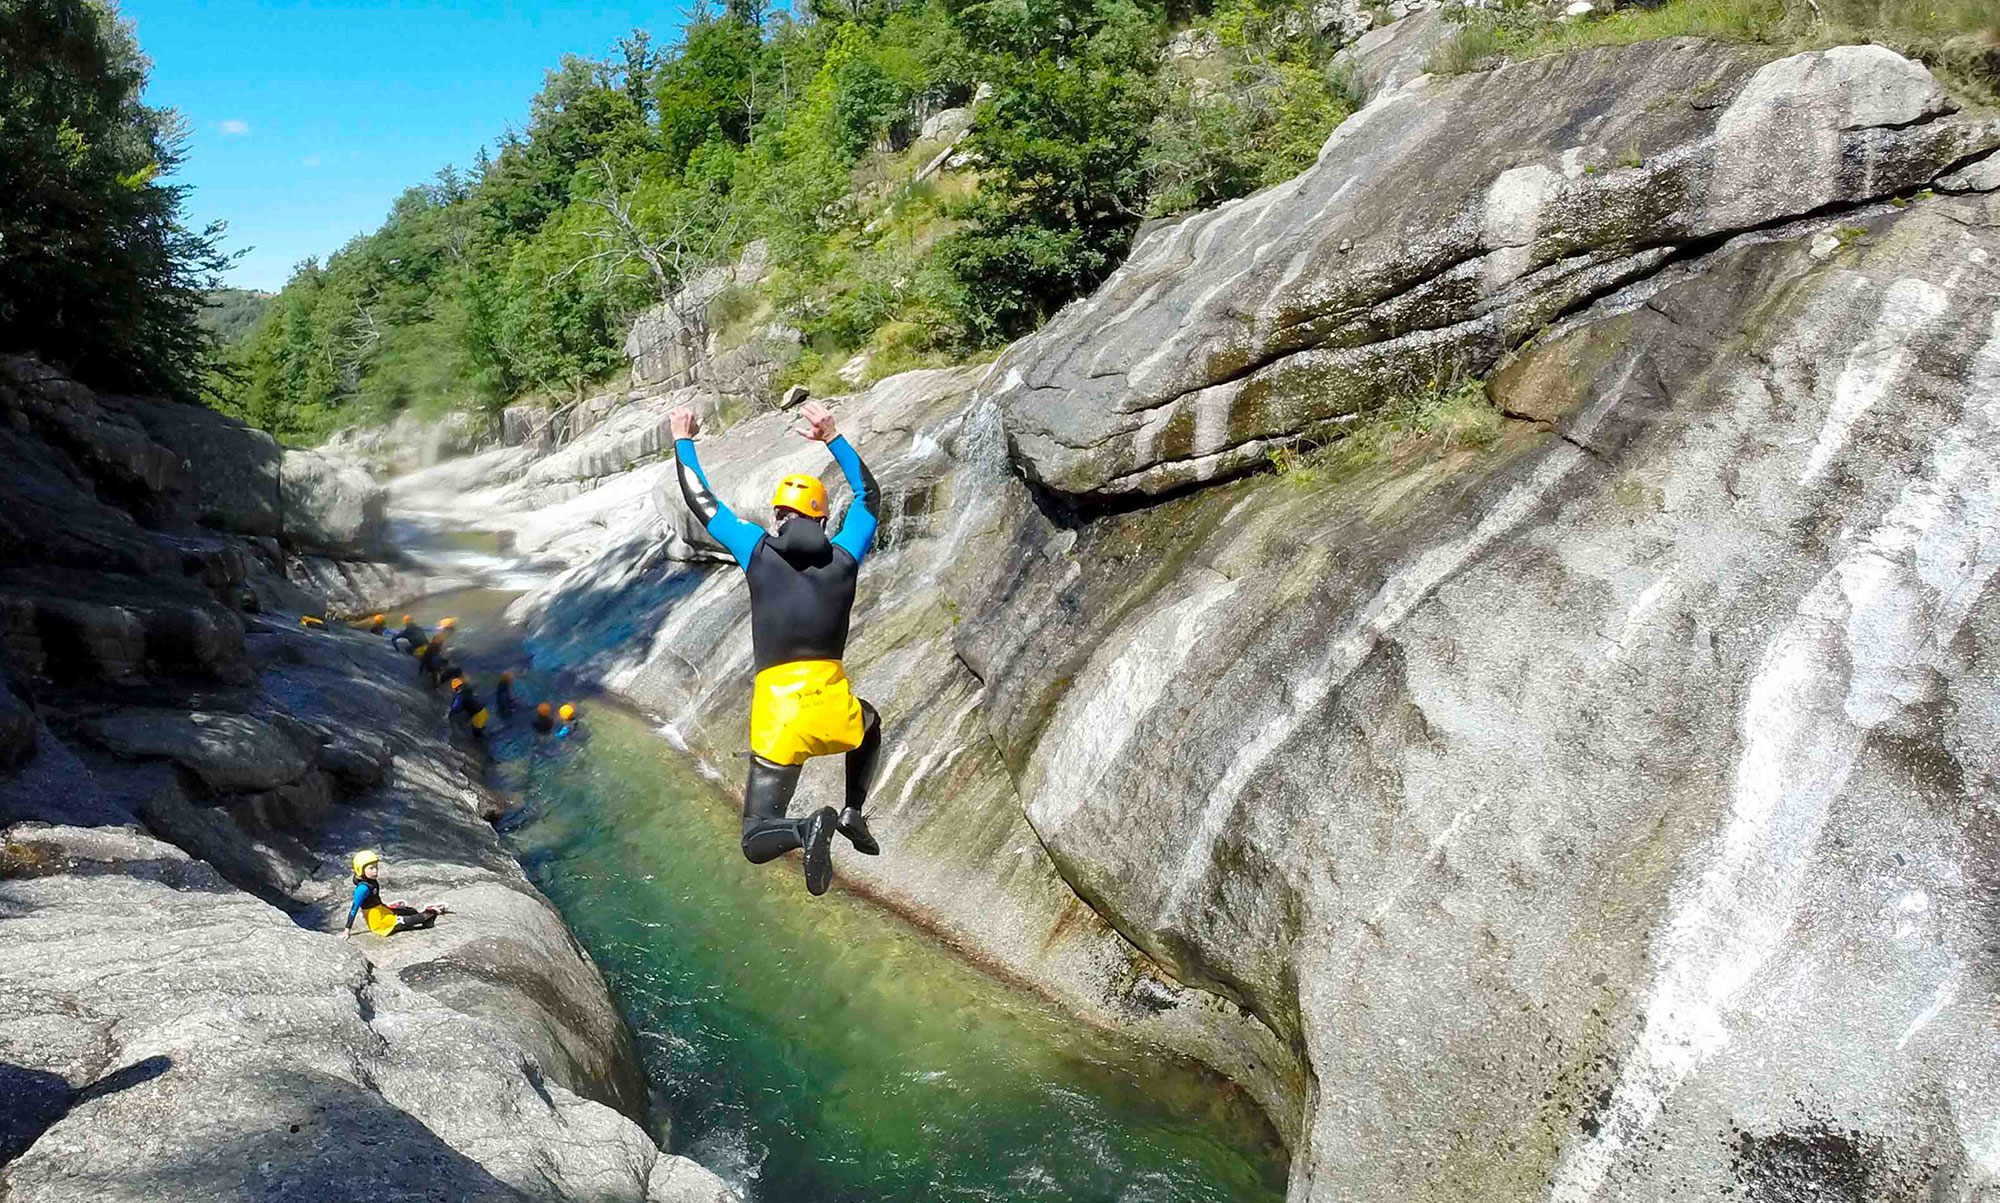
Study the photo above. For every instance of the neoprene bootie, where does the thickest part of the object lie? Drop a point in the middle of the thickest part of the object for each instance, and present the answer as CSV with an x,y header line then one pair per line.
x,y
816,833
854,825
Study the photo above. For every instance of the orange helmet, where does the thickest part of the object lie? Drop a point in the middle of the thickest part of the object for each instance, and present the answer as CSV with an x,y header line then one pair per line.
x,y
568,712
447,624
508,677
406,620
543,710
457,682
802,493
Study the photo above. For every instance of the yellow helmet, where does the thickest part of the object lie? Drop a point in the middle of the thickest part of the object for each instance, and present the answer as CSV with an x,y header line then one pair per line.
x,y
802,493
447,624
362,860
457,681
567,712
406,620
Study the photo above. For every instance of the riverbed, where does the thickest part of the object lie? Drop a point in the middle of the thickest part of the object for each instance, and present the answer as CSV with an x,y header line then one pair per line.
x,y
825,1050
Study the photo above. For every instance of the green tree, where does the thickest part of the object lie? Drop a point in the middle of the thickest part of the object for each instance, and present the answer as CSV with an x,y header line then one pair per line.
x,y
103,275
1061,142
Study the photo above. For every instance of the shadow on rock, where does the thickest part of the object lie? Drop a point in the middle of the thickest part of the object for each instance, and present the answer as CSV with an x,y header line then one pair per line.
x,y
37,1100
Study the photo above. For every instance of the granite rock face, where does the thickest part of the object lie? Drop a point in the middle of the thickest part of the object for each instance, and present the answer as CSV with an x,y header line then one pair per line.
x,y
1603,811
1443,224
184,772
332,505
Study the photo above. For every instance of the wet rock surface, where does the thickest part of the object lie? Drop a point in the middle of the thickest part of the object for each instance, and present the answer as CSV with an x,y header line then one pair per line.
x,y
184,772
1599,811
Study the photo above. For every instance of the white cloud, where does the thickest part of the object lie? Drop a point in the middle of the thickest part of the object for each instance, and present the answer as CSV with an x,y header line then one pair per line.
x,y
234,126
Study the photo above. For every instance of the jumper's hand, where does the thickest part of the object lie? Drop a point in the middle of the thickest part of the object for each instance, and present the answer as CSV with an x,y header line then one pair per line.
x,y
684,423
819,423
348,934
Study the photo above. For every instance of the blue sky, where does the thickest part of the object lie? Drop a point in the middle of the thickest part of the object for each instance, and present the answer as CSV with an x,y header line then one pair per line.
x,y
309,118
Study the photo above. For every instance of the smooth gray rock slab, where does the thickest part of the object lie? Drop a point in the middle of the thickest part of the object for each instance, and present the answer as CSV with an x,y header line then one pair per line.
x,y
1441,227
174,1039
229,752
1385,58
231,471
332,505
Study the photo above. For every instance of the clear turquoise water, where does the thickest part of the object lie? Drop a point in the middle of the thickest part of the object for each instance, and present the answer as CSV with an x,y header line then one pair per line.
x,y
823,1050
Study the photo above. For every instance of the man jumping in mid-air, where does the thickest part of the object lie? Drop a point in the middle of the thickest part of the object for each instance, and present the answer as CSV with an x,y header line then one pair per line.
x,y
801,592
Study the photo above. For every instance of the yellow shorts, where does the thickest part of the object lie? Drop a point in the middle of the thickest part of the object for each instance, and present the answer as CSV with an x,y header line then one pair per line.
x,y
801,710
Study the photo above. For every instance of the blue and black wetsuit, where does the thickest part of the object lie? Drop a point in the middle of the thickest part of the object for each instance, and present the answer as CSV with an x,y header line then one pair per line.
x,y
383,919
411,639
801,597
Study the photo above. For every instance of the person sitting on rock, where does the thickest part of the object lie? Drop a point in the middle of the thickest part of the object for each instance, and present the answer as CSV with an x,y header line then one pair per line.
x,y
378,624
801,597
566,714
503,695
383,918
545,718
466,706
412,638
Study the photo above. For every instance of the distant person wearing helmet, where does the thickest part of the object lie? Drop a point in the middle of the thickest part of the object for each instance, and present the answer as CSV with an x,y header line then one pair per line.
x,y
566,717
378,624
801,596
383,918
466,706
503,695
545,718
411,638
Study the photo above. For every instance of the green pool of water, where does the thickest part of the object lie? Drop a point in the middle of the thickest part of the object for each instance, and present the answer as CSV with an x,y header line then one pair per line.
x,y
823,1050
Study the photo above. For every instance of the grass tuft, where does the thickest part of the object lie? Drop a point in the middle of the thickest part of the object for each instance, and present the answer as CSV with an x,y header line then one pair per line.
x,y
1435,419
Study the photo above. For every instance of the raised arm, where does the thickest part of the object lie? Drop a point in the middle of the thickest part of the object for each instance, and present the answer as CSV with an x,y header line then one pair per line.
x,y
717,519
857,526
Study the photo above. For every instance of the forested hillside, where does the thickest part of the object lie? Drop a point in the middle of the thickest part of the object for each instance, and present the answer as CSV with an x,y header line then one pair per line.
x,y
634,171
232,313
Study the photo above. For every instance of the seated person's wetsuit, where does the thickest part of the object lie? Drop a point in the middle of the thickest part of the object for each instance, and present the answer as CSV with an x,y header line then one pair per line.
x,y
801,596
410,639
382,918
544,723
503,697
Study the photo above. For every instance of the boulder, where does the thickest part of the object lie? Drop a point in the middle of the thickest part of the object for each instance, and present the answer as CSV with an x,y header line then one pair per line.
x,y
667,344
1475,217
524,425
229,752
332,505
946,125
89,640
230,472
1383,59
1982,176
453,434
